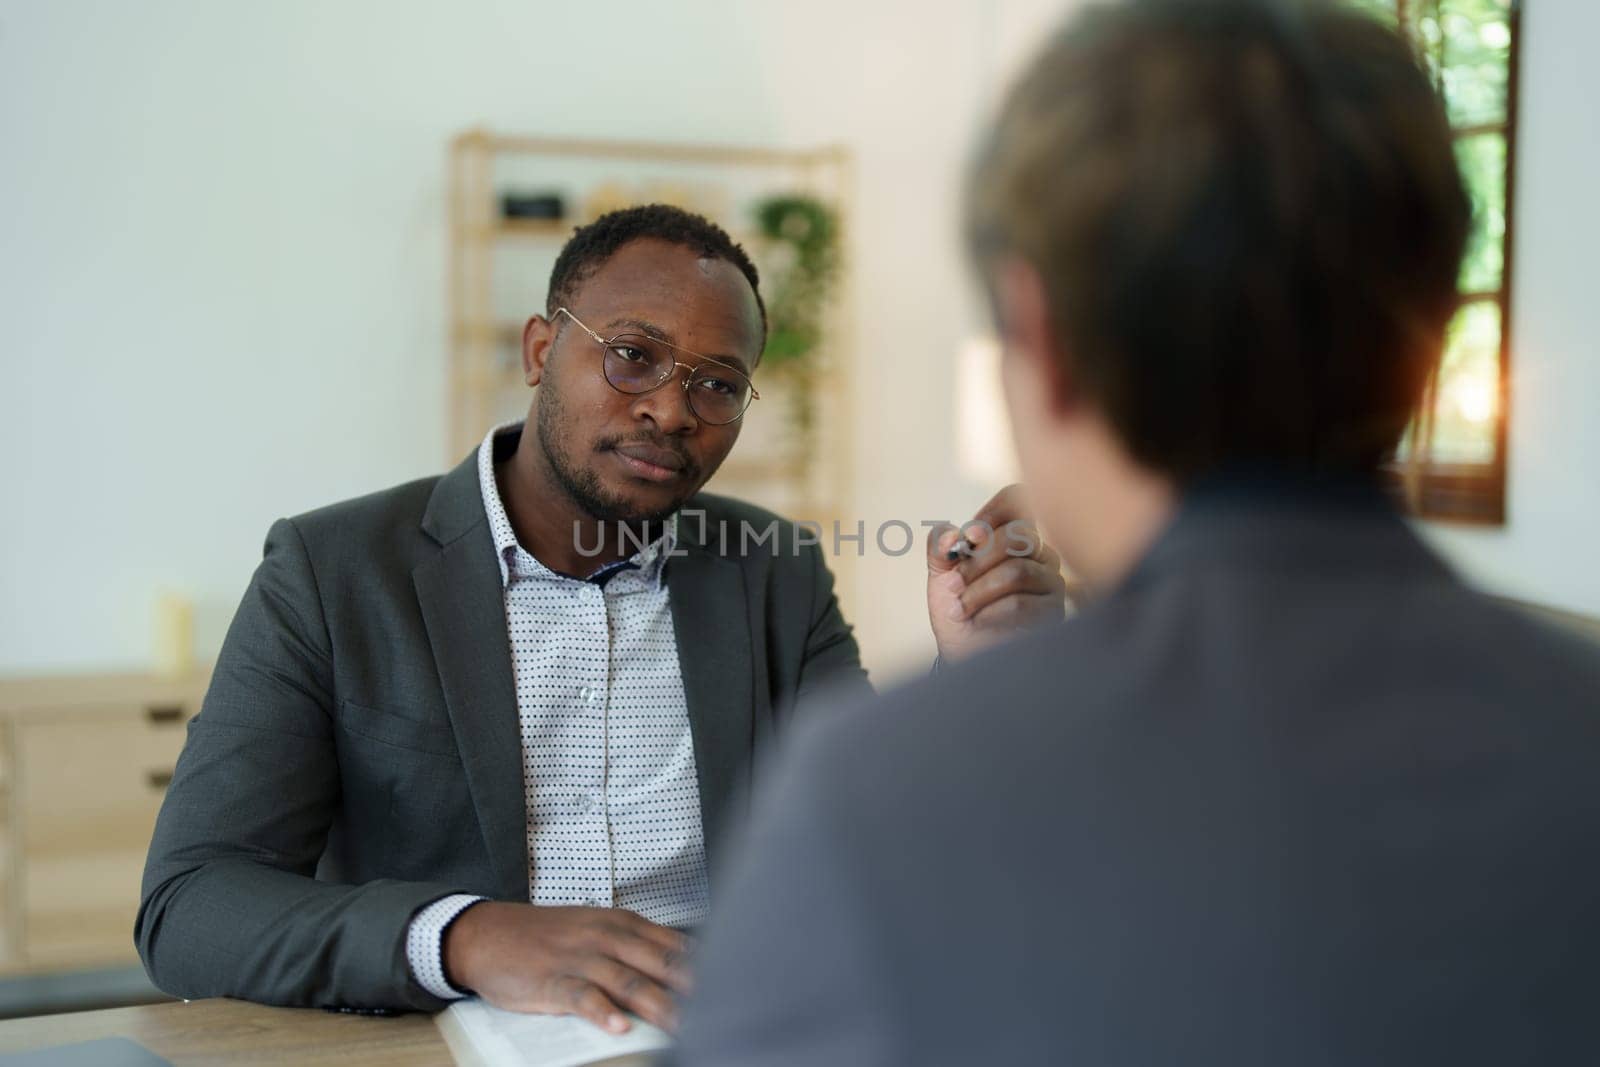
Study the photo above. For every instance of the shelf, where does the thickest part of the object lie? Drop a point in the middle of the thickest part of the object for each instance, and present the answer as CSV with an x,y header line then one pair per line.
x,y
635,151
525,229
561,230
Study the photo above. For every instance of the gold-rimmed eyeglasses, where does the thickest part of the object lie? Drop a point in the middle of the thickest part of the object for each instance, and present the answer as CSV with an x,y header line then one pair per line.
x,y
634,363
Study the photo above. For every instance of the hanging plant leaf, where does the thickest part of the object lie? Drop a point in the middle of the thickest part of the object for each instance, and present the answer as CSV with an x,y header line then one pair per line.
x,y
808,230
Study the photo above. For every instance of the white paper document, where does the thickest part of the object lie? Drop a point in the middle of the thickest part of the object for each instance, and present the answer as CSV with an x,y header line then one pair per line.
x,y
484,1036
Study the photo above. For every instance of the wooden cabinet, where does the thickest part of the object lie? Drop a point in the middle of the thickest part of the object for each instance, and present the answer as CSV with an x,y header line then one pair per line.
x,y
84,764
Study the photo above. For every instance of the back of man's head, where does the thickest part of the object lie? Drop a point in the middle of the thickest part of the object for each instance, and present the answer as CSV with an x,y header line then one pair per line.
x,y
1247,221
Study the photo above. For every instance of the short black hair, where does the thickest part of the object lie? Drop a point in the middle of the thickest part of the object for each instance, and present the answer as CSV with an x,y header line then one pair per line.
x,y
1248,219
590,246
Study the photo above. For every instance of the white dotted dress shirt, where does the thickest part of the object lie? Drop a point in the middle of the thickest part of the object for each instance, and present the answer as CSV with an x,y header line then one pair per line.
x,y
608,770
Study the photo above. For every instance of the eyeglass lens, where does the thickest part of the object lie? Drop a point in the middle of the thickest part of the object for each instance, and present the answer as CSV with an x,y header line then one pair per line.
x,y
636,364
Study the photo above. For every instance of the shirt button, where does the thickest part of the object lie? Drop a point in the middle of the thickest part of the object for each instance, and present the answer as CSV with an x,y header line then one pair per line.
x,y
584,692
591,902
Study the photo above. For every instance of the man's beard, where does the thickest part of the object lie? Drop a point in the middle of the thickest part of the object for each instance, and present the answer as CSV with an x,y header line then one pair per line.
x,y
582,485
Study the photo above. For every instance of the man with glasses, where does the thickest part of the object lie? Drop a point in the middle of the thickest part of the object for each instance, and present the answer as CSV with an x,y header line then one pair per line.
x,y
476,733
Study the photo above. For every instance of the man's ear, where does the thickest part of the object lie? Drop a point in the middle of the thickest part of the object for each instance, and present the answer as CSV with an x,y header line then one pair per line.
x,y
537,337
1022,305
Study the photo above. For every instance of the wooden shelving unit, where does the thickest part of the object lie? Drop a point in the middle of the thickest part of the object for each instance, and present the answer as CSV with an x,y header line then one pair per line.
x,y
537,229
802,474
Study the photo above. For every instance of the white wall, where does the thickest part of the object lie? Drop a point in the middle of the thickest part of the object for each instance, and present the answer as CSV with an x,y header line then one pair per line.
x,y
222,264
1546,551
222,267
906,84
224,277
901,89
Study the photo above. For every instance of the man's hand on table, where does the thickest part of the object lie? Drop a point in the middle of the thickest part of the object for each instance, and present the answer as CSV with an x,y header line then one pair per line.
x,y
1010,582
592,962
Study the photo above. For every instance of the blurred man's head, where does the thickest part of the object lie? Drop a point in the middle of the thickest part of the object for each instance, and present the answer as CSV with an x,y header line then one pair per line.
x,y
1218,233
666,287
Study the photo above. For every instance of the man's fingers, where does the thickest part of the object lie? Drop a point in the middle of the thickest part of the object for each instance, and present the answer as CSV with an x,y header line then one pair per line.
x,y
1049,558
575,996
595,963
1002,523
666,965
637,992
1018,612
1017,539
979,542
631,922
1005,506
659,951
940,540
1011,577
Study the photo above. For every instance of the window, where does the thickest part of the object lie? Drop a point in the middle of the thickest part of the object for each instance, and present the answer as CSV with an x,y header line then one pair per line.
x,y
1452,461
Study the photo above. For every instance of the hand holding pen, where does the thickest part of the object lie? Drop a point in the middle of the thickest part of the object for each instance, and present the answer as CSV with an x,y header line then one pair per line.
x,y
991,577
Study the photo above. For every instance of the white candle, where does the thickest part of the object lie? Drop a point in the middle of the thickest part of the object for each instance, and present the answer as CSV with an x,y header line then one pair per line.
x,y
174,635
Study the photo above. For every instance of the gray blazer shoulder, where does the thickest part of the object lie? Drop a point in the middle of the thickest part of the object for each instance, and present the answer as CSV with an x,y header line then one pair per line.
x,y
1293,794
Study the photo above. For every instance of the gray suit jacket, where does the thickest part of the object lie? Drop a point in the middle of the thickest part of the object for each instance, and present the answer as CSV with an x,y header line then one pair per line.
x,y
1290,795
358,756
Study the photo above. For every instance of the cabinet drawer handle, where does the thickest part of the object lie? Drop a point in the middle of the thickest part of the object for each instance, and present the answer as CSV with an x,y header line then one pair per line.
x,y
159,713
158,779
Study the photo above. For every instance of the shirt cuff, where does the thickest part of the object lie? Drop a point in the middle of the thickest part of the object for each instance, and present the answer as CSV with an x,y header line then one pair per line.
x,y
425,943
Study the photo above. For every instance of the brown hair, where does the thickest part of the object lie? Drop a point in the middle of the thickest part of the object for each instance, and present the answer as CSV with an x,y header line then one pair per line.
x,y
1249,223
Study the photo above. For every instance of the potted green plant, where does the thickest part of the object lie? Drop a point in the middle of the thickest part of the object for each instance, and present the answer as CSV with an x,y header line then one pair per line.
x,y
802,238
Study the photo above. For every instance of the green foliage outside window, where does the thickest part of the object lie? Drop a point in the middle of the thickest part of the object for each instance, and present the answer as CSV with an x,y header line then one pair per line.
x,y
1482,159
1467,45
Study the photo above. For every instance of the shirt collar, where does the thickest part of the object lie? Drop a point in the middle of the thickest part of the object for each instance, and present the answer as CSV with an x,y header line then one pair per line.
x,y
650,561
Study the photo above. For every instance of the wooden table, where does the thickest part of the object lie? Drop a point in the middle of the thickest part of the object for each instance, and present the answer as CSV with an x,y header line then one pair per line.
x,y
233,1031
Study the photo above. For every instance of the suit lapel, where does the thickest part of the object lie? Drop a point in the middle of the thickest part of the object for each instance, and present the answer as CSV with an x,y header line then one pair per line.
x,y
463,607
711,625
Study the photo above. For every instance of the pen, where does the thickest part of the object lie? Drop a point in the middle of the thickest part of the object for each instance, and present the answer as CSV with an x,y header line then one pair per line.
x,y
962,549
